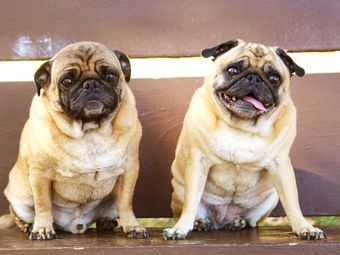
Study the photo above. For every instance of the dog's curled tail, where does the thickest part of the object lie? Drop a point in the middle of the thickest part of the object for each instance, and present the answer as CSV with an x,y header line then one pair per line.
x,y
7,221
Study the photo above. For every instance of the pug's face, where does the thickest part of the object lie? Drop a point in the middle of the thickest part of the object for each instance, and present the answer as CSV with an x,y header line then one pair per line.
x,y
250,80
86,79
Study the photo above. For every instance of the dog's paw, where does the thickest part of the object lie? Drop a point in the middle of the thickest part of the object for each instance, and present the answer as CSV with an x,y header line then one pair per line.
x,y
203,225
106,223
43,233
175,233
237,224
311,233
27,229
136,232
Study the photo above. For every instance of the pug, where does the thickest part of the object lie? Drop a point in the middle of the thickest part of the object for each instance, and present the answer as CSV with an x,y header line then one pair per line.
x,y
78,157
232,160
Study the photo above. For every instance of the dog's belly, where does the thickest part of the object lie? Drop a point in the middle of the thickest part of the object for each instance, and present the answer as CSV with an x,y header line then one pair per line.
x,y
77,219
232,191
81,189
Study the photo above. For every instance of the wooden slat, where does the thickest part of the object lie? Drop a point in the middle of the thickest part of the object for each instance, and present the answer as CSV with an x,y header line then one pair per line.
x,y
162,104
38,28
264,240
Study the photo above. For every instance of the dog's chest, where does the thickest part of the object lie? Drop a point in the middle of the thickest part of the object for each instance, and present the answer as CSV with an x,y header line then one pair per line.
x,y
239,148
94,155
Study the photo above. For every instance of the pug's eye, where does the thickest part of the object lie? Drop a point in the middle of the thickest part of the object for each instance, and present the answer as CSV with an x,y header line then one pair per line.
x,y
67,81
274,78
111,77
233,70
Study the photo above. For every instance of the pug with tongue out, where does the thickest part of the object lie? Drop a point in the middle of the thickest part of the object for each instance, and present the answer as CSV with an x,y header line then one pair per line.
x,y
232,162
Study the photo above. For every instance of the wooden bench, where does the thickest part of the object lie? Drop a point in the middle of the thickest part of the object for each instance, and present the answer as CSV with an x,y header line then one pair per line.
x,y
38,28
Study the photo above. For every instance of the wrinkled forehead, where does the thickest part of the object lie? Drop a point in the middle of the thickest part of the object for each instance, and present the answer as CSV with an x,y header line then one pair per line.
x,y
256,56
84,57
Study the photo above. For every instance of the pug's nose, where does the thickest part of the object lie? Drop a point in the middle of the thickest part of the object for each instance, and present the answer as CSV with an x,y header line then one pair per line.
x,y
90,84
253,79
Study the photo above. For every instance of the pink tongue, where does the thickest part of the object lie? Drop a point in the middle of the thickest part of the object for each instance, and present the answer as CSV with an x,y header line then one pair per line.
x,y
254,102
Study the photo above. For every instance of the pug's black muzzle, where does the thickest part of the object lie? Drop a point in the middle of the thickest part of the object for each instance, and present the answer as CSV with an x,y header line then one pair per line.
x,y
251,85
92,100
248,96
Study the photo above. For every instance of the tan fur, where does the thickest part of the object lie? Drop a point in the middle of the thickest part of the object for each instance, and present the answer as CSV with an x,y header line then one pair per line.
x,y
7,221
227,168
67,170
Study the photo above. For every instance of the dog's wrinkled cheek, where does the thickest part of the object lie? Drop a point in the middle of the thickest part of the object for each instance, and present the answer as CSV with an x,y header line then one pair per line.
x,y
67,100
118,92
64,100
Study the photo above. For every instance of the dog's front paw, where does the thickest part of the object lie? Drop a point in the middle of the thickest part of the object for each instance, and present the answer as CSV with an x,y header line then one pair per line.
x,y
136,232
175,233
311,233
43,233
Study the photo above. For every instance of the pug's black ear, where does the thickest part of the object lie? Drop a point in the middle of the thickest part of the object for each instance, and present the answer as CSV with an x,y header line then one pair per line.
x,y
124,63
42,77
289,62
219,49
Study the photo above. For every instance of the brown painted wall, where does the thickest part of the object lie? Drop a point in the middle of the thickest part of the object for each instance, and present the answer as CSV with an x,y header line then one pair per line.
x,y
37,28
162,104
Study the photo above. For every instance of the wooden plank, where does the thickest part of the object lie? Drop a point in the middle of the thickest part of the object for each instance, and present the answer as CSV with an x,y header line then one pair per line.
x,y
162,105
38,28
264,240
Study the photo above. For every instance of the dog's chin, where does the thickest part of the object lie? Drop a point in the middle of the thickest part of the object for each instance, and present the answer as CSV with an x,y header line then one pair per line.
x,y
93,110
242,108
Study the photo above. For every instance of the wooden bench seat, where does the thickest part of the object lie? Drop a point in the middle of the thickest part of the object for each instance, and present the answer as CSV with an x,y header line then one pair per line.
x,y
262,240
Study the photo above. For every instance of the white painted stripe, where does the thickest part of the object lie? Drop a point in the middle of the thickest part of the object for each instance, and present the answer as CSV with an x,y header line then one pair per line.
x,y
157,68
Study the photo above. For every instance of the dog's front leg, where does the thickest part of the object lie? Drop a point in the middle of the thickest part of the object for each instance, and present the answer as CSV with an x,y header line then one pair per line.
x,y
43,219
195,177
126,186
282,173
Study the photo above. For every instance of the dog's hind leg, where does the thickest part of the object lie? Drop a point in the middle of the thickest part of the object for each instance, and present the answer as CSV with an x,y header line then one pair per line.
x,y
262,210
24,226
